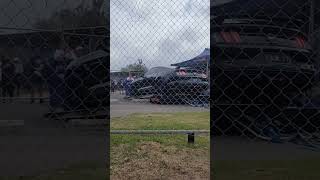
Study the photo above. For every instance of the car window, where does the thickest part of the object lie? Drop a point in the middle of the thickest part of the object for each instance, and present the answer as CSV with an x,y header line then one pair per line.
x,y
158,71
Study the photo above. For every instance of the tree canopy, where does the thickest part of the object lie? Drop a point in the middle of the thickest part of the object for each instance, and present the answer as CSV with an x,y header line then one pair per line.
x,y
135,67
82,16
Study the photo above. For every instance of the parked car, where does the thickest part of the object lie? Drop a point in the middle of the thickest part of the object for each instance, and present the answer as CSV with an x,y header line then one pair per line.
x,y
167,85
258,66
87,83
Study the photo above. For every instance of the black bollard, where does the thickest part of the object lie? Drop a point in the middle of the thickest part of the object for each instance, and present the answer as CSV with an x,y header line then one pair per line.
x,y
191,138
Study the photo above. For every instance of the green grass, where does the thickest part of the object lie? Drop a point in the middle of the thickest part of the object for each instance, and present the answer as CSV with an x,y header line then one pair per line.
x,y
160,121
124,147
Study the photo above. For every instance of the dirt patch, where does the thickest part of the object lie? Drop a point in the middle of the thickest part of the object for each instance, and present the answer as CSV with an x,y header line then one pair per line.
x,y
151,160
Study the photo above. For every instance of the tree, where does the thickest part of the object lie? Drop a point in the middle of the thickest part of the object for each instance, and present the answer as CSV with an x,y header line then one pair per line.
x,y
135,67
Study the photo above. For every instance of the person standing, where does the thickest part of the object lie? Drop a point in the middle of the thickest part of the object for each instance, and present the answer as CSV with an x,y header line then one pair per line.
x,y
18,79
113,85
7,79
37,81
127,85
69,55
54,75
80,51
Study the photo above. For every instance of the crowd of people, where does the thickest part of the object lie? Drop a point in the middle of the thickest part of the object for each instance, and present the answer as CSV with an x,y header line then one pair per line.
x,y
37,75
123,85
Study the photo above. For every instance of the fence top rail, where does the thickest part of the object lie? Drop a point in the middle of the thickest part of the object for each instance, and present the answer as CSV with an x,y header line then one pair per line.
x,y
160,131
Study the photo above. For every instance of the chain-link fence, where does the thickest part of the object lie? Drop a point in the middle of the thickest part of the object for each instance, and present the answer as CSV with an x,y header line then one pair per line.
x,y
59,60
159,65
170,53
54,86
265,70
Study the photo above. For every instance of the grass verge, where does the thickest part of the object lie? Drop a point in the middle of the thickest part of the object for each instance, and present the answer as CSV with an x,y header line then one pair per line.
x,y
160,156
166,121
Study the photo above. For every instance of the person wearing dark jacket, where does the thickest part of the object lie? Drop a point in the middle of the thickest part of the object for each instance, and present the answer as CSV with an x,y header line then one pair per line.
x,y
54,74
127,85
7,70
18,79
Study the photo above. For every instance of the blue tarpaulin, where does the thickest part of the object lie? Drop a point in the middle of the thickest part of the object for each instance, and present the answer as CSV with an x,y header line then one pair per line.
x,y
200,60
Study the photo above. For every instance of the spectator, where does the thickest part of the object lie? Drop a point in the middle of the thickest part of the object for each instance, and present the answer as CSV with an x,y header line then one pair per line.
x,y
18,79
54,71
58,54
121,85
7,78
36,79
80,51
118,86
69,55
127,85
113,85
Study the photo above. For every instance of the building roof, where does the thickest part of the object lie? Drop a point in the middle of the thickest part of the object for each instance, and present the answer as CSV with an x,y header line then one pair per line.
x,y
37,38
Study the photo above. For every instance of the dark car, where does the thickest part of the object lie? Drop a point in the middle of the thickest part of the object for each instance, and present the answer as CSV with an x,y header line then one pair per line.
x,y
259,64
86,81
166,85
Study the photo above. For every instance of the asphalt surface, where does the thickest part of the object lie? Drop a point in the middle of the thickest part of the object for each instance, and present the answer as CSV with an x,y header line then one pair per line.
x,y
122,107
40,145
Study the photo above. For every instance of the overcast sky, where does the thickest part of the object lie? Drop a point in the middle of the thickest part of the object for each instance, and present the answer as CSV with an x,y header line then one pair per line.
x,y
160,32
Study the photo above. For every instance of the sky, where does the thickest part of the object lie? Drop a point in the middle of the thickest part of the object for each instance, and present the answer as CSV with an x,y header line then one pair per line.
x,y
159,32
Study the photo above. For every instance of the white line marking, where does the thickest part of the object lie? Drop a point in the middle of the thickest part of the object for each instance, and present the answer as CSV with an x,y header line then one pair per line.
x,y
8,123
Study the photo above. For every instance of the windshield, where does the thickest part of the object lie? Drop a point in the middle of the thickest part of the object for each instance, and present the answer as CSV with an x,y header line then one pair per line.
x,y
158,71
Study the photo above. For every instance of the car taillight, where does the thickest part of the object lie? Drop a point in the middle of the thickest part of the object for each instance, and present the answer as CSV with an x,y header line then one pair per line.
x,y
300,42
181,73
230,37
235,36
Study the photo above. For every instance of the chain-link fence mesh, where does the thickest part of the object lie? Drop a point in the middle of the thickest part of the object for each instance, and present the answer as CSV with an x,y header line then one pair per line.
x,y
265,70
160,52
159,62
54,87
58,59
